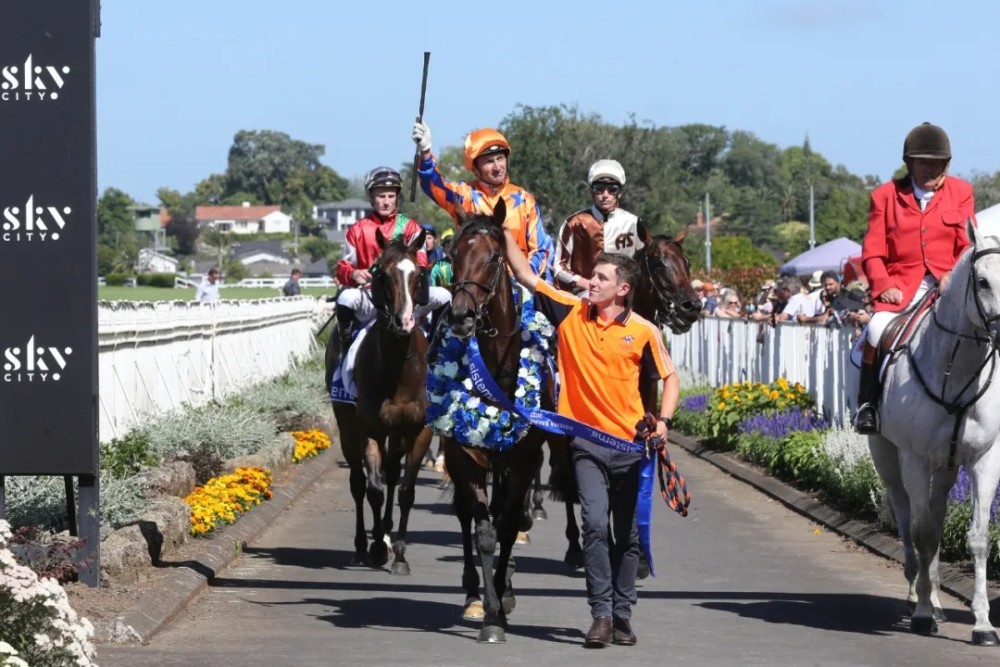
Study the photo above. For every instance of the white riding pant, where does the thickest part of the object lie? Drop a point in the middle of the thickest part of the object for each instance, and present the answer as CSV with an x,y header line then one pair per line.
x,y
877,325
360,301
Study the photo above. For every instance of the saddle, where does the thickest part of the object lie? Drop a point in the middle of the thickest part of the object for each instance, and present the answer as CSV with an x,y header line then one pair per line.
x,y
896,337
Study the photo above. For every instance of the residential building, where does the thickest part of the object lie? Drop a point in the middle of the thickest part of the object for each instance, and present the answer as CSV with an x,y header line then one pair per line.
x,y
152,261
245,219
340,215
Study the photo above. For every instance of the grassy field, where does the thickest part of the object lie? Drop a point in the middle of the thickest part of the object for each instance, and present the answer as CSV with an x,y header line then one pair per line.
x,y
173,294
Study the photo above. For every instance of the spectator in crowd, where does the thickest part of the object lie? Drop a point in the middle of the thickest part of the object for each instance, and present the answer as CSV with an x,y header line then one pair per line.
x,y
442,273
699,290
828,288
431,247
208,290
291,287
777,300
711,300
852,308
729,304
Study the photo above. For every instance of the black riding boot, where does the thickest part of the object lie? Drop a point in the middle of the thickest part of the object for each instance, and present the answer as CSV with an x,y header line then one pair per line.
x,y
869,392
345,327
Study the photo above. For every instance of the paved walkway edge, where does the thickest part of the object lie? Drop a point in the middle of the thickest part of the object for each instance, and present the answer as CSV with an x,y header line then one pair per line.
x,y
953,579
159,605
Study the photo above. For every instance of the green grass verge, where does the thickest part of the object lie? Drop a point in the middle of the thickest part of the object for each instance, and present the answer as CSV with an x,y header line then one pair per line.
x,y
173,294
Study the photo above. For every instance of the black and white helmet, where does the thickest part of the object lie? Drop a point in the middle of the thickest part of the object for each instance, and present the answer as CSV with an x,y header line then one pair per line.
x,y
382,177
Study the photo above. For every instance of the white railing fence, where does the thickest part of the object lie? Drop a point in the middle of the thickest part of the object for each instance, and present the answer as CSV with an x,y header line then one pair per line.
x,y
725,350
155,357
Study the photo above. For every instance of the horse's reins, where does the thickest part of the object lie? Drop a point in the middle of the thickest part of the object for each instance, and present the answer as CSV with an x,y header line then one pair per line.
x,y
958,409
483,319
666,301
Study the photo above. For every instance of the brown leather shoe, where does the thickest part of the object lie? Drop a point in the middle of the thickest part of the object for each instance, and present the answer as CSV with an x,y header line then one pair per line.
x,y
623,634
599,634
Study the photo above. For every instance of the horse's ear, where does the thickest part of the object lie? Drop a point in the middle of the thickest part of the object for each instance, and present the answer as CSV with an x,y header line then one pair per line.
x,y
500,213
681,235
972,231
644,235
417,242
380,239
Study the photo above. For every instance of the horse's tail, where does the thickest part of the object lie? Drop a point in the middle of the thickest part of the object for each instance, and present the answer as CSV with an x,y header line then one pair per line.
x,y
562,480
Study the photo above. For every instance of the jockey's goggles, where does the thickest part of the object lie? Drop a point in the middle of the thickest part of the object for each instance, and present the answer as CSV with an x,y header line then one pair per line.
x,y
611,188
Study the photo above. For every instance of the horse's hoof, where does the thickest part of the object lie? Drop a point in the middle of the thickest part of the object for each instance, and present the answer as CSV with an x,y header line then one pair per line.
x,y
385,538
911,608
473,611
360,558
939,615
642,571
492,635
985,638
923,625
378,554
574,559
401,568
539,514
522,538
508,602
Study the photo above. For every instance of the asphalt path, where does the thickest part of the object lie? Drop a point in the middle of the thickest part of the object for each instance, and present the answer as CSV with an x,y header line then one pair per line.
x,y
741,581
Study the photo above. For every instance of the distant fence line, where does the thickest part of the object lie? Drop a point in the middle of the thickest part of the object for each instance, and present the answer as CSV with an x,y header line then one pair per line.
x,y
155,357
722,351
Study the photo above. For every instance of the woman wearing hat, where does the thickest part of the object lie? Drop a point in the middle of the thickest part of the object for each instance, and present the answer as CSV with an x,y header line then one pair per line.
x,y
916,233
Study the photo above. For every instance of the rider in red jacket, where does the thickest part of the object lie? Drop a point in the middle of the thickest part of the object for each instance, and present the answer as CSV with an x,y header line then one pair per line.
x,y
916,233
361,250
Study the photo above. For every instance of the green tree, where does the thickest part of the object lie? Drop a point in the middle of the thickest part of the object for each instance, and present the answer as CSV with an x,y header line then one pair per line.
x,y
451,160
317,248
986,188
218,240
184,230
116,228
729,252
792,237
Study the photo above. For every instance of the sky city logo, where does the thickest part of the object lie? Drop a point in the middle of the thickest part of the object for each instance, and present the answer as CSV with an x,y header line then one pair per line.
x,y
34,363
31,82
33,223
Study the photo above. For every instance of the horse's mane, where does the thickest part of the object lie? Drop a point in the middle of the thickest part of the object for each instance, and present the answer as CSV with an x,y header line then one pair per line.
x,y
479,224
395,252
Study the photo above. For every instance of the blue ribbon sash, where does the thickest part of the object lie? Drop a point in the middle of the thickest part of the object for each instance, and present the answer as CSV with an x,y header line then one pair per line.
x,y
484,384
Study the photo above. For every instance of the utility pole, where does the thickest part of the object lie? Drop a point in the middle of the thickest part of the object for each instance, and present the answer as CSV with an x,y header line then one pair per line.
x,y
812,219
708,233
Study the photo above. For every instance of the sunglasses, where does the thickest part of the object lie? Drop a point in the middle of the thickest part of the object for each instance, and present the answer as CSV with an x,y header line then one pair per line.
x,y
598,188
732,303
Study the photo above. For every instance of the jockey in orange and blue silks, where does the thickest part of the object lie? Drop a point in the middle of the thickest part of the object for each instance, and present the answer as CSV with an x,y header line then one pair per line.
x,y
486,153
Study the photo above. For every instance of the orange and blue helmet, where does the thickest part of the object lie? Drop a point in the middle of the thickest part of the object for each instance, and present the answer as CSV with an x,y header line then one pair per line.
x,y
483,142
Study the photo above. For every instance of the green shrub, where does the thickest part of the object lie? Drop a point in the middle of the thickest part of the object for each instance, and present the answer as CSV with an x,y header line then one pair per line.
x,y
126,456
732,403
226,431
800,456
155,279
115,279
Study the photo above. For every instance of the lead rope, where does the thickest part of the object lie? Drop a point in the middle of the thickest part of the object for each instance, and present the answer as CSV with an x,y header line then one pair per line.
x,y
673,488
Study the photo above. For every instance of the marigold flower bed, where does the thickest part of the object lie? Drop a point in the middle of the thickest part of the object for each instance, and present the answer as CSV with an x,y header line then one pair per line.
x,y
309,444
223,499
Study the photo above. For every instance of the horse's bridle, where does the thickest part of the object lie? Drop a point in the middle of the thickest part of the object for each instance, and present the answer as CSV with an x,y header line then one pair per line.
x,y
956,408
483,322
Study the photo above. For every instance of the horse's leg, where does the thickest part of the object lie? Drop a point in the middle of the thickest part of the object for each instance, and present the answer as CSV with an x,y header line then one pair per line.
x,y
378,552
984,475
928,501
518,485
407,490
538,512
470,479
464,499
885,458
574,553
395,451
350,446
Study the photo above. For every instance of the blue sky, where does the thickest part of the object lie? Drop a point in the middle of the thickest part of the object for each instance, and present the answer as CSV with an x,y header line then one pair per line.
x,y
178,79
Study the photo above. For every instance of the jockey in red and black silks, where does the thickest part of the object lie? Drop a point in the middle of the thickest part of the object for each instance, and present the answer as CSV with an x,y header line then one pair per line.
x,y
361,250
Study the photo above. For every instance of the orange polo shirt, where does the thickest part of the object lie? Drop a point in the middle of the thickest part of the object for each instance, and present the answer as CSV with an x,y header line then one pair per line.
x,y
600,362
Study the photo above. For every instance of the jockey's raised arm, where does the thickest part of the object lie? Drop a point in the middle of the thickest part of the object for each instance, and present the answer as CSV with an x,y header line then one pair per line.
x,y
486,154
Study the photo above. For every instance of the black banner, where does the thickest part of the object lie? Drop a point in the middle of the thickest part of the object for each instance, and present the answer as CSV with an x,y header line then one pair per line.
x,y
48,236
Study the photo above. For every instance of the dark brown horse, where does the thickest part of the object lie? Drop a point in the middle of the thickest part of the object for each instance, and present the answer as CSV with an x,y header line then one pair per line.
x,y
483,306
664,296
387,424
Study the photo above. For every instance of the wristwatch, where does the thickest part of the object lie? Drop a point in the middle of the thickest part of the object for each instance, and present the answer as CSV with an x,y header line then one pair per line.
x,y
666,420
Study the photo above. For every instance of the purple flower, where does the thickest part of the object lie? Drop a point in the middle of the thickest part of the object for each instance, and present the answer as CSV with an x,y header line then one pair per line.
x,y
695,403
777,425
961,492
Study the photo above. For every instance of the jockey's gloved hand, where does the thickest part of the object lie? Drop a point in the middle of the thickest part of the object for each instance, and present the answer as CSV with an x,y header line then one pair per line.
x,y
421,136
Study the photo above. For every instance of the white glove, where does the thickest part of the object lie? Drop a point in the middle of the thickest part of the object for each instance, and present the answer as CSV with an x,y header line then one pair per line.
x,y
421,136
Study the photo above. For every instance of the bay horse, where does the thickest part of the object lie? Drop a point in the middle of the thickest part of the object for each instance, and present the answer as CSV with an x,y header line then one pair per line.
x,y
386,426
483,306
938,410
664,296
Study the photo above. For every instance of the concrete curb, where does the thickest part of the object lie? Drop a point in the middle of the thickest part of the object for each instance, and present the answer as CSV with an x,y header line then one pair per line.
x,y
953,579
161,603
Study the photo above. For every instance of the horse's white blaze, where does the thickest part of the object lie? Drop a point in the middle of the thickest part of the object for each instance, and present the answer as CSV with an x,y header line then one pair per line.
x,y
406,267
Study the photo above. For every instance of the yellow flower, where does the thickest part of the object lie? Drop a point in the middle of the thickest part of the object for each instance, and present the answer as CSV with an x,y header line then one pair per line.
x,y
783,383
721,405
773,394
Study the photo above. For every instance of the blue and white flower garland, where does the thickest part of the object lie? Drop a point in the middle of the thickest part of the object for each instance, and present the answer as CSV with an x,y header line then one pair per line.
x,y
454,412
